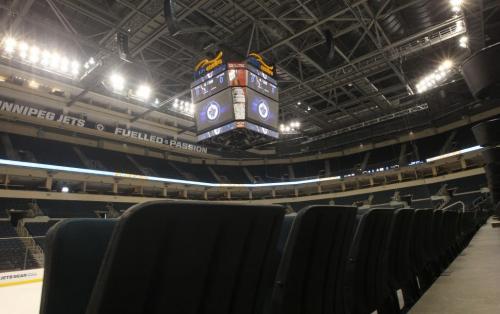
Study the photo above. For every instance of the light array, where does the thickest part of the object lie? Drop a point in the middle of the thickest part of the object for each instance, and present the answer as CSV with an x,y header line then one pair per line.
x,y
456,5
435,78
291,128
463,42
183,107
118,84
43,59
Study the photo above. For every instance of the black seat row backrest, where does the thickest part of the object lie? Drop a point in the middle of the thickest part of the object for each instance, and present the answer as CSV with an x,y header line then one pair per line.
x,y
76,248
367,271
187,257
311,273
182,257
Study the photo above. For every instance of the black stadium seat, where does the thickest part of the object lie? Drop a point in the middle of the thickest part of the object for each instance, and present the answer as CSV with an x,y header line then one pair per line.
x,y
400,270
189,257
367,286
310,276
75,249
419,246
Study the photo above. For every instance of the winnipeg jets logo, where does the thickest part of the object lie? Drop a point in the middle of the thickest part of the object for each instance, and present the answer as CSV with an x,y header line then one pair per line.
x,y
213,111
263,110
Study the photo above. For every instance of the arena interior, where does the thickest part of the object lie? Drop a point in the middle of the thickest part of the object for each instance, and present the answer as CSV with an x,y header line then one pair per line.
x,y
250,156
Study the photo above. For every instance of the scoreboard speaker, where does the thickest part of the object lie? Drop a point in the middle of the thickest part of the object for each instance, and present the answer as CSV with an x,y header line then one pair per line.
x,y
486,133
482,73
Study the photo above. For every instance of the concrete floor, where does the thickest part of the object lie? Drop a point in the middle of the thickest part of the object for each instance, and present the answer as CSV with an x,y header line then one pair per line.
x,y
472,282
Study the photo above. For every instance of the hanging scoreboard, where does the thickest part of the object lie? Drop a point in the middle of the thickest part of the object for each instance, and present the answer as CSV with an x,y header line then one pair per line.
x,y
234,96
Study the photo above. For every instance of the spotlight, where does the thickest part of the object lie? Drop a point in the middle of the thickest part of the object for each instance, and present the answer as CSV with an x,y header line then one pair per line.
x,y
176,103
460,26
64,65
65,189
54,61
23,50
9,45
75,67
46,58
117,82
463,42
447,64
33,84
34,54
143,92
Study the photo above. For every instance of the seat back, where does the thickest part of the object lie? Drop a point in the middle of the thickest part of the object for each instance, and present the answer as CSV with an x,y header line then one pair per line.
x,y
367,280
74,252
422,228
400,272
310,275
189,257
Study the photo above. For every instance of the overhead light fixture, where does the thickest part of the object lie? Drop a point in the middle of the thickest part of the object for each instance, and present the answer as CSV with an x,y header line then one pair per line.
x,y
143,92
65,189
9,45
117,82
184,107
463,42
435,78
32,55
456,5
290,128
33,84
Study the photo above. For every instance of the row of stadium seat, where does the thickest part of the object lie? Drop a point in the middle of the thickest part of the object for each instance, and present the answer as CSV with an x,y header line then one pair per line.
x,y
33,150
187,257
14,254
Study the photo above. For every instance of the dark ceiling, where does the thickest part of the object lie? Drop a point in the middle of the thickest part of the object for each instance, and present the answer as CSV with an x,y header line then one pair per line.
x,y
381,49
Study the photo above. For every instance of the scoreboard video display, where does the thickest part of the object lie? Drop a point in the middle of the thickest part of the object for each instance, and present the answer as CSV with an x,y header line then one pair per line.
x,y
215,111
235,96
261,109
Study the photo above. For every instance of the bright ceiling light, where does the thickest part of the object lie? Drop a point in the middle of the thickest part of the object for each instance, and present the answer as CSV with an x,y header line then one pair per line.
x,y
117,82
34,54
460,26
33,84
75,67
64,67
23,50
143,92
65,189
46,58
463,42
447,64
176,103
9,45
54,60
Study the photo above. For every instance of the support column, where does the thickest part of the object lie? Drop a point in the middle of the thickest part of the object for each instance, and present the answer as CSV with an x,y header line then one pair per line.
x,y
434,171
296,191
48,183
342,186
185,193
115,187
273,193
371,182
328,171
228,194
250,194
205,194
320,189
400,177
84,187
463,163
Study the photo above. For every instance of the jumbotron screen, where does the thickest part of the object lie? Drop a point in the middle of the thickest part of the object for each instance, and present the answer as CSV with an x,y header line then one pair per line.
x,y
215,111
261,109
